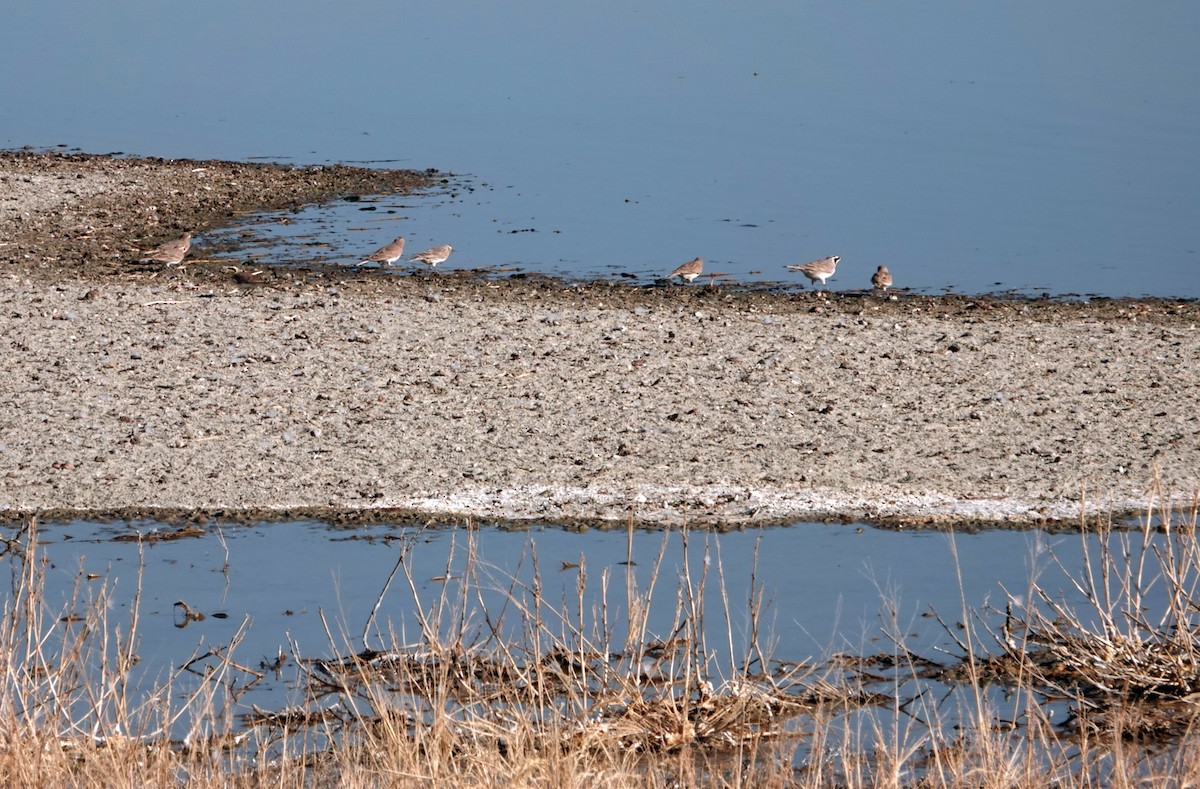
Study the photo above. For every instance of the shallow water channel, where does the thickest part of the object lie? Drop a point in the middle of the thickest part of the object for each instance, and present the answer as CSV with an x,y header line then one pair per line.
x,y
307,589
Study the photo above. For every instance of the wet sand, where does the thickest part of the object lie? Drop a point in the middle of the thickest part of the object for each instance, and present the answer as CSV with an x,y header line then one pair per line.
x,y
134,390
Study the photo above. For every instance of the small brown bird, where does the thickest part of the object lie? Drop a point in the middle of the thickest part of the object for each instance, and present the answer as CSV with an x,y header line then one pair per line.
x,y
386,255
434,255
817,269
690,270
171,253
881,279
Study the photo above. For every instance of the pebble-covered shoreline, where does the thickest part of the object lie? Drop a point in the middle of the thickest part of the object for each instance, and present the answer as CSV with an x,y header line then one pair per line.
x,y
131,391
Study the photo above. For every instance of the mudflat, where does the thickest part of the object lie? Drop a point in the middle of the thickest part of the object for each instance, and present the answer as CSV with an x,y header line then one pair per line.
x,y
147,390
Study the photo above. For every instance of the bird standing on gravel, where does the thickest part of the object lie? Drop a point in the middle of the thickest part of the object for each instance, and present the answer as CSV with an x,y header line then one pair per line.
x,y
690,270
171,253
434,255
386,255
817,269
881,279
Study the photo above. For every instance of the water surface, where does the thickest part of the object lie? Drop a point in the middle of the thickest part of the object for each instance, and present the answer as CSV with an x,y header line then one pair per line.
x,y
308,591
1046,148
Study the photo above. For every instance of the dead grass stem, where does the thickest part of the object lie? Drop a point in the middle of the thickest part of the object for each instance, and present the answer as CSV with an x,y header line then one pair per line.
x,y
643,682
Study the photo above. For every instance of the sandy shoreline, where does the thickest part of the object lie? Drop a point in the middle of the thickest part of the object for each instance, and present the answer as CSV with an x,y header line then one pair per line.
x,y
128,391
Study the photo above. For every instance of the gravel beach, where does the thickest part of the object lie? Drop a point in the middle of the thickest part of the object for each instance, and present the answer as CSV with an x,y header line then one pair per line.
x,y
135,390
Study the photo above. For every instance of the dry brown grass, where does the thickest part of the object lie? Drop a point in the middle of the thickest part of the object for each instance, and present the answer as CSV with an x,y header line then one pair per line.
x,y
533,691
1122,665
581,691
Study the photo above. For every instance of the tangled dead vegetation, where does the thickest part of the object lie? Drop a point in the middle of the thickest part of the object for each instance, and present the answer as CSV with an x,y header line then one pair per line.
x,y
503,686
1127,659
509,693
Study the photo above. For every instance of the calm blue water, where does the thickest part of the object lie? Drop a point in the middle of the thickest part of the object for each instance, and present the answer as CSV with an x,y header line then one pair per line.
x,y
1043,147
825,588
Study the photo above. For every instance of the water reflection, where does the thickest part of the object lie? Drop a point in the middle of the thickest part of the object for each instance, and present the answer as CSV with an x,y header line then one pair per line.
x,y
843,636
284,588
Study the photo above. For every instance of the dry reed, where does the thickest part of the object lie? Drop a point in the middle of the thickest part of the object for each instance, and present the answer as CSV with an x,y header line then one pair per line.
x,y
584,690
